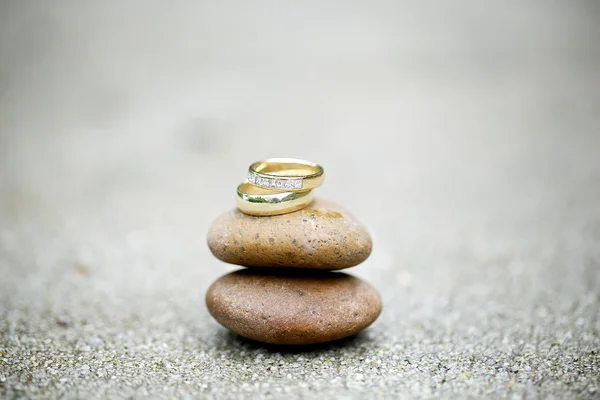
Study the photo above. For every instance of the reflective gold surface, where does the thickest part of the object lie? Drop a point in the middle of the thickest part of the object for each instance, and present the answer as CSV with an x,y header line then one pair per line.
x,y
287,169
254,200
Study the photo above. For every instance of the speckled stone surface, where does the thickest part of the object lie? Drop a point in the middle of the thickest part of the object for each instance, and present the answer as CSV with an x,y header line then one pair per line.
x,y
320,236
472,126
291,307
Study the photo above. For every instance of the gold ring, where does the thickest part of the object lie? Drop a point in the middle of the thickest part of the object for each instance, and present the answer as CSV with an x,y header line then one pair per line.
x,y
286,174
254,200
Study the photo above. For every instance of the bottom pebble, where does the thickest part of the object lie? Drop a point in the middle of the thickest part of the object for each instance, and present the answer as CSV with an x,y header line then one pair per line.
x,y
290,307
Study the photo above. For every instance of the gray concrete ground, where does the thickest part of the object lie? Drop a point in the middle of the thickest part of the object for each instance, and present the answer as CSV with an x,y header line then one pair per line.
x,y
464,134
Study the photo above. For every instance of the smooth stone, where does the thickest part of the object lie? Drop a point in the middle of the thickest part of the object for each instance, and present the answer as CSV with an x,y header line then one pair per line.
x,y
293,307
320,236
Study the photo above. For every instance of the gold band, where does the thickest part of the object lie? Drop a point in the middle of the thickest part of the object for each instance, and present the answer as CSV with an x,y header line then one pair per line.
x,y
254,200
286,174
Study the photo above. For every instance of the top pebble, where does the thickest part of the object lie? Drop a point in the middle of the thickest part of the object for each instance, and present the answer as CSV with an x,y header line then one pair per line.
x,y
320,236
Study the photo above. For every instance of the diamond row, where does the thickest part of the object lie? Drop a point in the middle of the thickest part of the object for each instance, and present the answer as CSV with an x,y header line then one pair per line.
x,y
275,183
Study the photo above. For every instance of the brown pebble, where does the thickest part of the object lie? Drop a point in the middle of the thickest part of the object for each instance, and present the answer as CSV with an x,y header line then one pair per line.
x,y
320,236
287,307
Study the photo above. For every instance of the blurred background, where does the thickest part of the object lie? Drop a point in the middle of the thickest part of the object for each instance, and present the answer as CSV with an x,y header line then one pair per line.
x,y
465,135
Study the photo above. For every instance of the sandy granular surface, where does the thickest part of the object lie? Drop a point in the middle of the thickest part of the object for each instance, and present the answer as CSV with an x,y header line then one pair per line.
x,y
464,136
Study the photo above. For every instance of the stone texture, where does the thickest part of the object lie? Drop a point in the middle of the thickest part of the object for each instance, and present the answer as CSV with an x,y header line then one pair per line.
x,y
320,236
479,144
287,307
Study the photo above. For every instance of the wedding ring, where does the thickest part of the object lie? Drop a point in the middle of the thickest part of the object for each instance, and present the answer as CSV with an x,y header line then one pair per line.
x,y
286,174
253,200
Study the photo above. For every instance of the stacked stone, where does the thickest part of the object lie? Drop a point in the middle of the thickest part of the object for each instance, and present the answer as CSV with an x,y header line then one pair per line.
x,y
288,294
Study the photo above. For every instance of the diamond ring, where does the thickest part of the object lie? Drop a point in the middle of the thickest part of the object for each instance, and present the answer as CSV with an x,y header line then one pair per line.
x,y
286,174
